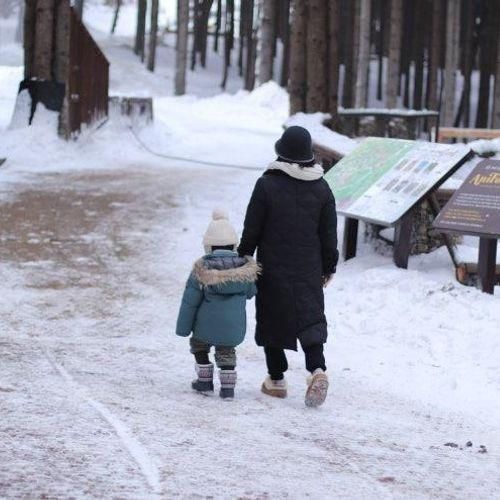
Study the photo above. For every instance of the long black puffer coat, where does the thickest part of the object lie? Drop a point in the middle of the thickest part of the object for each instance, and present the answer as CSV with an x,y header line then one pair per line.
x,y
293,224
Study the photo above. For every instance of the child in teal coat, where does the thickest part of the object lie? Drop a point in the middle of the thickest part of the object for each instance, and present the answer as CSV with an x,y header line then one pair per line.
x,y
213,305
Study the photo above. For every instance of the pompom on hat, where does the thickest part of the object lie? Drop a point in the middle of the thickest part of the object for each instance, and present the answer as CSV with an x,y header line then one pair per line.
x,y
220,231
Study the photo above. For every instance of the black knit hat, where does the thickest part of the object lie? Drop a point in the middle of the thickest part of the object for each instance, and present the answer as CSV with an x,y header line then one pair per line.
x,y
295,146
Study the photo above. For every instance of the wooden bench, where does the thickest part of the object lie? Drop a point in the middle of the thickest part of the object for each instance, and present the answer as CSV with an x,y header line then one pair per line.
x,y
455,133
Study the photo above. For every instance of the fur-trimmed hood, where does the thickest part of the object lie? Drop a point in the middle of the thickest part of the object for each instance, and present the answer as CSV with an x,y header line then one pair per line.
x,y
221,268
298,171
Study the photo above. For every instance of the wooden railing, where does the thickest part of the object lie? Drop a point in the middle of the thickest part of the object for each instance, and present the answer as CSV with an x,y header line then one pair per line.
x,y
455,133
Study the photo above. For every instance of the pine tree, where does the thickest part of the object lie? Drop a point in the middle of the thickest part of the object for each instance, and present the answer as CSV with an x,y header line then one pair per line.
x,y
44,36
181,46
487,49
451,60
349,54
153,35
140,34
364,53
316,59
496,97
267,35
115,16
297,83
419,54
435,56
333,60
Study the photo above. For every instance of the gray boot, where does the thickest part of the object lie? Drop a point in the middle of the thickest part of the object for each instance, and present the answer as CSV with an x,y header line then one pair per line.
x,y
227,383
205,380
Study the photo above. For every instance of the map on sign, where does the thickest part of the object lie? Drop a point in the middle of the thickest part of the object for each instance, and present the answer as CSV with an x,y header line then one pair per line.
x,y
475,206
383,178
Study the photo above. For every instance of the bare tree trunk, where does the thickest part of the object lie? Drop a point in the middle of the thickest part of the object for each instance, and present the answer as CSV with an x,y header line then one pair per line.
x,y
196,32
242,34
153,35
181,46
333,60
29,39
285,38
206,8
394,59
496,97
349,54
201,14
228,40
267,35
382,13
61,42
364,53
44,29
355,48
407,54
488,30
297,83
140,34
419,52
451,61
469,53
250,45
317,53
218,24
115,17
435,56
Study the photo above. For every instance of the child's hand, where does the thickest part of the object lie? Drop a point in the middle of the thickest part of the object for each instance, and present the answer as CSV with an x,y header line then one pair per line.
x,y
327,279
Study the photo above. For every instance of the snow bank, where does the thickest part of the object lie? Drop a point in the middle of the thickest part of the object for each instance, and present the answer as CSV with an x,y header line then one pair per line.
x,y
322,135
484,146
10,77
238,129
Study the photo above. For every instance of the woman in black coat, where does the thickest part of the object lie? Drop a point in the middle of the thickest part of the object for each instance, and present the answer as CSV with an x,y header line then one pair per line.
x,y
292,222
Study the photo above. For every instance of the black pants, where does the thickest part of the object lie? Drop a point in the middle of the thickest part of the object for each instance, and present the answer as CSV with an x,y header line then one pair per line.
x,y
277,363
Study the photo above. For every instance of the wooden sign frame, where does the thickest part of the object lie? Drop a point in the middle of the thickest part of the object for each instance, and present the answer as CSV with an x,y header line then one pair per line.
x,y
403,226
468,212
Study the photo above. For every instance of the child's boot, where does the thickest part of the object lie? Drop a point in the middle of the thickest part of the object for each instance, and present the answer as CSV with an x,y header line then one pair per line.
x,y
227,383
317,388
205,380
275,388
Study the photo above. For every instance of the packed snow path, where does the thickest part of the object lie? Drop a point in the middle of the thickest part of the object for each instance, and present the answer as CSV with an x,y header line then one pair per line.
x,y
94,385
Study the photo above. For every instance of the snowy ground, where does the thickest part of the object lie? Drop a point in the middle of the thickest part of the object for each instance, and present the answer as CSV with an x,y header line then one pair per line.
x,y
95,386
96,240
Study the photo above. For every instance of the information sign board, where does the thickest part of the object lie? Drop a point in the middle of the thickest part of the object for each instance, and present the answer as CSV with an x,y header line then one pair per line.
x,y
384,178
475,206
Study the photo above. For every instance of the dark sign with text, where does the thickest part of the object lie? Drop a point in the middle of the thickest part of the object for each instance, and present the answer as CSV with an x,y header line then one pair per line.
x,y
475,206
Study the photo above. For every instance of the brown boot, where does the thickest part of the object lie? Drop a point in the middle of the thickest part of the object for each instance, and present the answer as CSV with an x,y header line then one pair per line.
x,y
274,388
317,388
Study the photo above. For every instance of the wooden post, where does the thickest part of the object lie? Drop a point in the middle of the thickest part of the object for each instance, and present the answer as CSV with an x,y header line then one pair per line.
x,y
402,240
350,238
153,34
487,264
435,208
